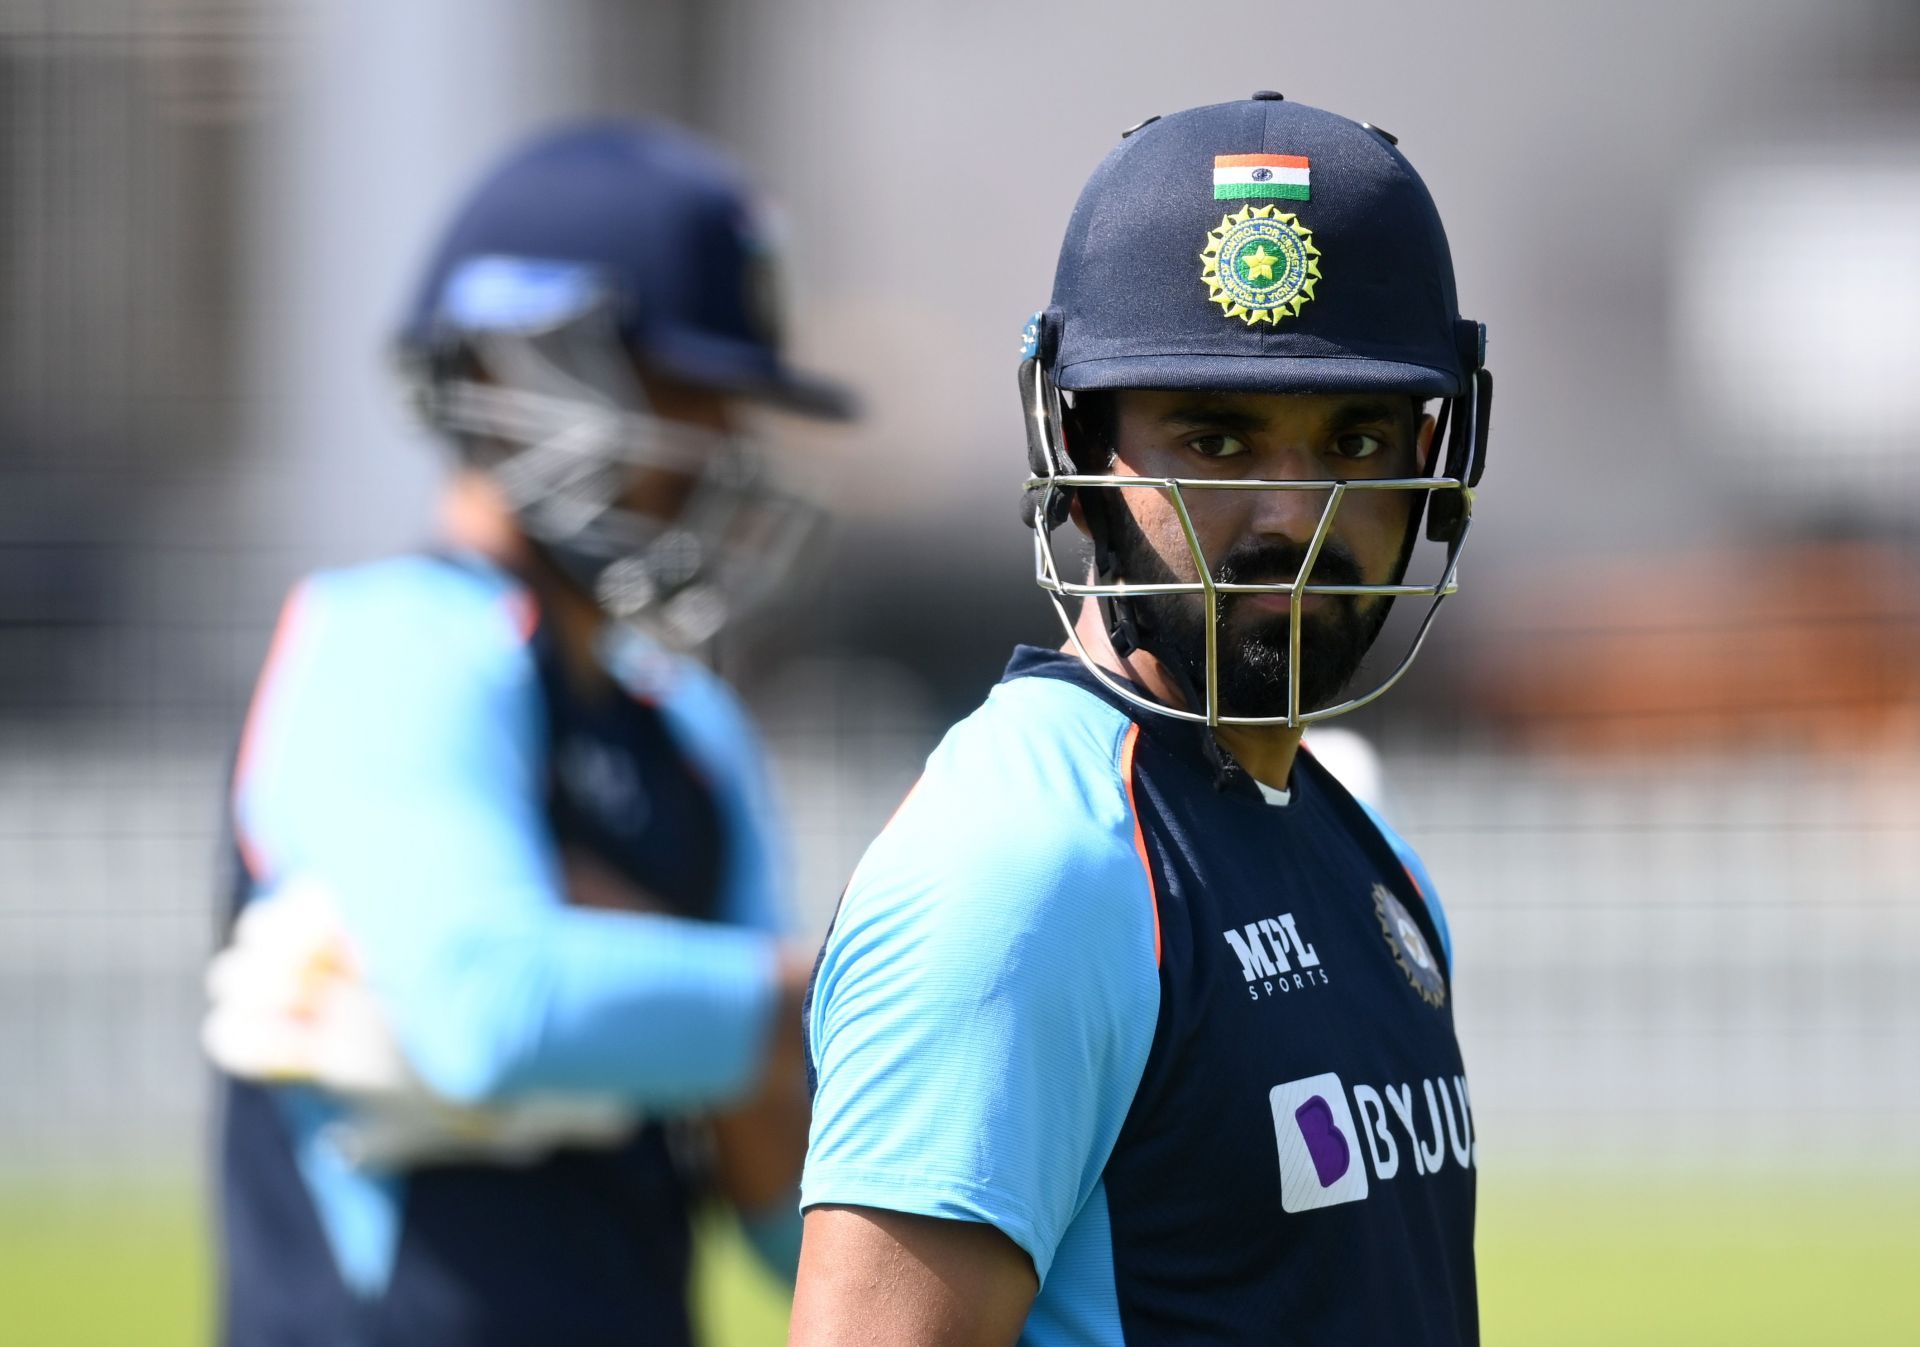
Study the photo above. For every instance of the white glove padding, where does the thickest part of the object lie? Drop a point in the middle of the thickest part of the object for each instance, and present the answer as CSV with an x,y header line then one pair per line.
x,y
402,1132
288,1006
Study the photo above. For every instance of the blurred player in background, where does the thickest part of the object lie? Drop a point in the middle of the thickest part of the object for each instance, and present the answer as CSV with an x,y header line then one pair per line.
x,y
1134,1025
507,987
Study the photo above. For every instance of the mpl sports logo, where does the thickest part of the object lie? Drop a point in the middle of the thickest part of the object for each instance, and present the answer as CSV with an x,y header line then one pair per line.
x,y
1325,1156
1274,959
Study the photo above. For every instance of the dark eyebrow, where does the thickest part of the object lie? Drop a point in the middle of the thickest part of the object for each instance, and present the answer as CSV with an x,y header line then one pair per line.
x,y
1396,412
1209,415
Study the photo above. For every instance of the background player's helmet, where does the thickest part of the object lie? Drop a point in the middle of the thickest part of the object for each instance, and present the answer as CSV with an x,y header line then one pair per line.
x,y
585,256
1260,246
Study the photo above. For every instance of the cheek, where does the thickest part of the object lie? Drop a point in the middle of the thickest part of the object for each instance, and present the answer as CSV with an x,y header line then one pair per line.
x,y
1375,530
1216,525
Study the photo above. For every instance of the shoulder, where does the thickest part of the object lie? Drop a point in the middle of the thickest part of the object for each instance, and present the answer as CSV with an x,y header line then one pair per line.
x,y
1034,775
1417,872
1020,831
1041,752
403,677
707,715
406,650
407,635
685,689
417,604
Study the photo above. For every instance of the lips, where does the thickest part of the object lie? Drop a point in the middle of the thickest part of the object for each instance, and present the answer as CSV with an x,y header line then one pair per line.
x,y
1282,603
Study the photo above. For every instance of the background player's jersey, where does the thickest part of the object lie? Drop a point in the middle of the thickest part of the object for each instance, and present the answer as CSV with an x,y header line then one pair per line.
x,y
416,748
1192,1051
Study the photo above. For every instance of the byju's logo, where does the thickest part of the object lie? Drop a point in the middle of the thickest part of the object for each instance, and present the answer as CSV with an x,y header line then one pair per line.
x,y
1320,1164
1324,1155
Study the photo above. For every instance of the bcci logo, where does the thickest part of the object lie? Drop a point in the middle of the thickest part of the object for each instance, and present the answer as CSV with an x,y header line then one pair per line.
x,y
1260,265
1410,948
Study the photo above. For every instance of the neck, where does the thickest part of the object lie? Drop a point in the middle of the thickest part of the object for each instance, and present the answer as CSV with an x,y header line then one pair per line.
x,y
1265,752
474,515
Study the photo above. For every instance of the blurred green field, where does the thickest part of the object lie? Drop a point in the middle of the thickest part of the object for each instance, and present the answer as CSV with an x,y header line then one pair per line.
x,y
88,1268
1767,1260
1692,1263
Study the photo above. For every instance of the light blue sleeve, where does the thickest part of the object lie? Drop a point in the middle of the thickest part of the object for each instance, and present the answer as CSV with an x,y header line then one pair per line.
x,y
395,754
1416,871
987,997
714,730
716,733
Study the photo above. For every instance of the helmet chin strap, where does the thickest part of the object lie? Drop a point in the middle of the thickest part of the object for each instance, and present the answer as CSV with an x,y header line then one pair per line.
x,y
1117,615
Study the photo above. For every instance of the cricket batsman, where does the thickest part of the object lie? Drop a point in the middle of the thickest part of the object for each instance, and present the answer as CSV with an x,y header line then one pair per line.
x,y
1133,1026
508,987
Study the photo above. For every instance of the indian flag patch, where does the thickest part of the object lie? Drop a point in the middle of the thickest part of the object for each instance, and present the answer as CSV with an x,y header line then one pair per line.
x,y
1237,176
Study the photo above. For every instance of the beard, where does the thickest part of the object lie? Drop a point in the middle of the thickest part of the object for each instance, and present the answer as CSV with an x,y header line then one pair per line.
x,y
1252,646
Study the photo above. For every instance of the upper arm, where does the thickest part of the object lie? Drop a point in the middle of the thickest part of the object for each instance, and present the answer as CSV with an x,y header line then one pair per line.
x,y
393,749
885,1278
984,1009
395,756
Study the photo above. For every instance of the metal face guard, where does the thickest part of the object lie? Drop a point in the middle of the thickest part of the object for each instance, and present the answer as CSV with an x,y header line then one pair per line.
x,y
565,462
1048,576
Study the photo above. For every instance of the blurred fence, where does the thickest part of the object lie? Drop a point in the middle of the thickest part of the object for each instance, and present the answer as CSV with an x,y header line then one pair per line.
x,y
1702,962
208,211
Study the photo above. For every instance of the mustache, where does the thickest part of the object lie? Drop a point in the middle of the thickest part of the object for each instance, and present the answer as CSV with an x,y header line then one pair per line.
x,y
1277,563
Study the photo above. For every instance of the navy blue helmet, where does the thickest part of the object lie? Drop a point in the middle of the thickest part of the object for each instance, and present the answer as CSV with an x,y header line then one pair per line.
x,y
1260,246
587,263
662,225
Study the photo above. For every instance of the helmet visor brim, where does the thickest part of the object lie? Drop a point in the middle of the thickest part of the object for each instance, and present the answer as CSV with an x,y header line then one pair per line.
x,y
745,370
1259,374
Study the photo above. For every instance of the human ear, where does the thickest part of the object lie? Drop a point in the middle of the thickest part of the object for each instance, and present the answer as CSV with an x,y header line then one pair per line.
x,y
1424,445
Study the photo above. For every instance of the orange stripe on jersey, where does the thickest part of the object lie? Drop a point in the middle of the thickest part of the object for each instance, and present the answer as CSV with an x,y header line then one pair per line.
x,y
523,610
1139,837
905,800
250,733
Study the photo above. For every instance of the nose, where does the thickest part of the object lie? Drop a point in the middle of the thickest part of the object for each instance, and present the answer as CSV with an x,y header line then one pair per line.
x,y
1292,514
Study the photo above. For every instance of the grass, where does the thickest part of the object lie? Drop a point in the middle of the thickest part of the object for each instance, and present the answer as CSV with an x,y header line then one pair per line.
x,y
1565,1263
88,1269
1770,1260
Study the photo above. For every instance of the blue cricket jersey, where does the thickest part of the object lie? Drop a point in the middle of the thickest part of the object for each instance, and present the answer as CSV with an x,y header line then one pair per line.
x,y
416,747
1191,1050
